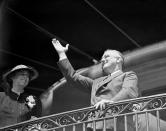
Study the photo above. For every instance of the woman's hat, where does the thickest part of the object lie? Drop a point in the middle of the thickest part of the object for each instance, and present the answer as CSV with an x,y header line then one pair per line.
x,y
33,72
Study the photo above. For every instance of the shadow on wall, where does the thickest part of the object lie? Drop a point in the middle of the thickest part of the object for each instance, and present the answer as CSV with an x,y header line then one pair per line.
x,y
63,97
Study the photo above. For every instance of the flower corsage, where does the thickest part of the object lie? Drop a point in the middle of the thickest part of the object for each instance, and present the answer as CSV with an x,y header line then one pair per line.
x,y
30,101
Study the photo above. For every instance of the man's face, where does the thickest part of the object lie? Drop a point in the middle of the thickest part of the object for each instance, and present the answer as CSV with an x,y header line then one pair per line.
x,y
109,61
21,78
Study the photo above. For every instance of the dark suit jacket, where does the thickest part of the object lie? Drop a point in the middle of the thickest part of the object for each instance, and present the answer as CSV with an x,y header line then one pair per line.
x,y
116,87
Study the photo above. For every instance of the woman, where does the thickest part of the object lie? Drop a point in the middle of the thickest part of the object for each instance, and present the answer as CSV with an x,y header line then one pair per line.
x,y
15,105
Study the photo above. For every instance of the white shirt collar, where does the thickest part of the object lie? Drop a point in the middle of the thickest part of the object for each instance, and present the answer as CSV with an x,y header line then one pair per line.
x,y
115,72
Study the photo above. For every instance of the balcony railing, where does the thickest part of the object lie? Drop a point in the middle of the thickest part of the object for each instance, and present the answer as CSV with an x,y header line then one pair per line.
x,y
143,109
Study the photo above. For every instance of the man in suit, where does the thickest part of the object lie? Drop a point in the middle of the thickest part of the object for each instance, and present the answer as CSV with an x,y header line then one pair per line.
x,y
115,86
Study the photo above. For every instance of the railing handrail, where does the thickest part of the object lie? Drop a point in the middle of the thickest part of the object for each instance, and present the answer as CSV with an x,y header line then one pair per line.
x,y
109,117
92,108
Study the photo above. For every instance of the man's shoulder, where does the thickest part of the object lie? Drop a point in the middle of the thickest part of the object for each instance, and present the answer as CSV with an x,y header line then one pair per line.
x,y
130,72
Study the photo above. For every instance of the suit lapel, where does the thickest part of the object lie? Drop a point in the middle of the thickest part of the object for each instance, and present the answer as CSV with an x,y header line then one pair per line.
x,y
109,78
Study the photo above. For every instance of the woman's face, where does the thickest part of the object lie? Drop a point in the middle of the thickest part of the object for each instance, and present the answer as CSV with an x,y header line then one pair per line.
x,y
21,78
